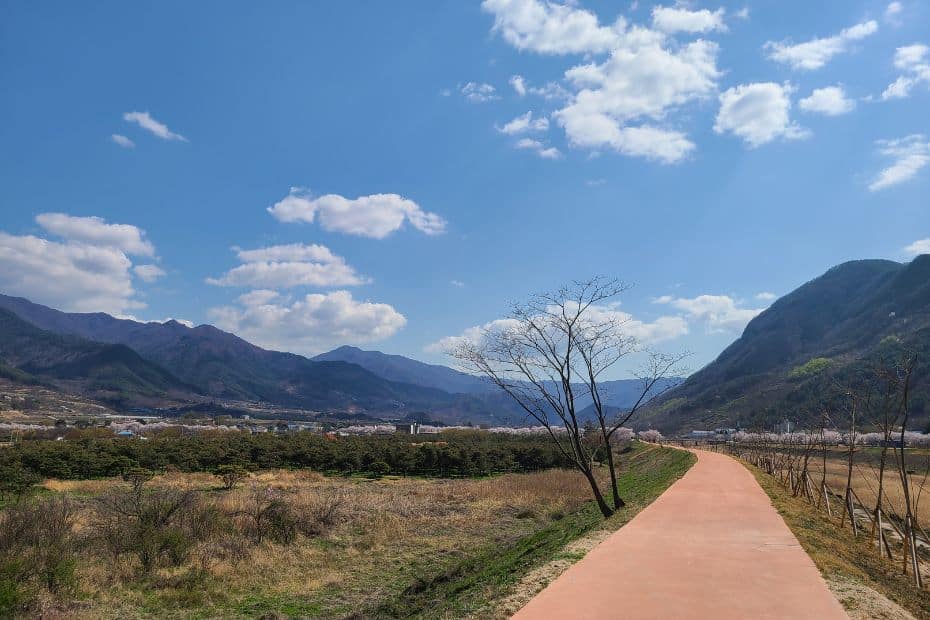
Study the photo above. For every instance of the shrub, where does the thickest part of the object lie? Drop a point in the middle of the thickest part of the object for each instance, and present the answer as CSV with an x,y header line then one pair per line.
x,y
270,515
16,481
326,512
12,594
157,527
37,551
138,476
231,475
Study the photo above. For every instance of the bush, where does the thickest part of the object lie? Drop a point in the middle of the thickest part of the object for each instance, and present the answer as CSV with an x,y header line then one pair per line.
x,y
37,551
231,475
158,527
327,511
270,515
16,481
138,476
12,592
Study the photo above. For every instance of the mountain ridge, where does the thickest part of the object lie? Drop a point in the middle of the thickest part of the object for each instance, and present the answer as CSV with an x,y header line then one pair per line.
x,y
112,372
407,370
848,316
222,365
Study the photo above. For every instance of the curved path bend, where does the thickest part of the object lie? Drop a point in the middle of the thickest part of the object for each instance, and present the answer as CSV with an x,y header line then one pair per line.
x,y
712,546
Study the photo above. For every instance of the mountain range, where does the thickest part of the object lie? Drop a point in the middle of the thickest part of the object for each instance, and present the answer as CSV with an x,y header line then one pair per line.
x,y
823,334
783,364
127,363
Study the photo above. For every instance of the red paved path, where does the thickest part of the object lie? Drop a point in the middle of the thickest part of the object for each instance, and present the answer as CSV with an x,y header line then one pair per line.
x,y
711,546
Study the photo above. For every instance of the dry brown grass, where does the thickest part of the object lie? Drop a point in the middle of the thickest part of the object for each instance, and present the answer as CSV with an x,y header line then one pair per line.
x,y
389,530
865,481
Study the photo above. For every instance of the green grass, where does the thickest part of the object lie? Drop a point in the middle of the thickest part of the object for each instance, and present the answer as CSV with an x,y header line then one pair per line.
x,y
838,554
812,367
471,584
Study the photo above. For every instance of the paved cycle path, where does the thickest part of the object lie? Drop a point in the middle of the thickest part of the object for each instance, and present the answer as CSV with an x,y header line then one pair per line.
x,y
712,546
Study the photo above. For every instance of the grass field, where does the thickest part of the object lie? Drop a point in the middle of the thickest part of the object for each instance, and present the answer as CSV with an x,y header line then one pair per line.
x,y
398,547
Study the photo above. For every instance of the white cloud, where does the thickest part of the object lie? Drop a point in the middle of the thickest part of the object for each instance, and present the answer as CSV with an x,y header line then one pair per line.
x,y
662,329
310,324
623,102
720,313
472,335
288,266
123,141
743,13
183,322
546,152
70,276
831,101
645,332
766,296
149,273
375,216
457,283
816,53
89,270
525,123
288,253
529,143
758,113
96,231
549,27
639,81
681,19
893,11
549,91
145,121
550,153
910,155
477,92
921,246
913,62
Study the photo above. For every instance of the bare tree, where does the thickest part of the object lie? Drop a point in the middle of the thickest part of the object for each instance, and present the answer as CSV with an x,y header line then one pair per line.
x,y
887,414
552,352
905,371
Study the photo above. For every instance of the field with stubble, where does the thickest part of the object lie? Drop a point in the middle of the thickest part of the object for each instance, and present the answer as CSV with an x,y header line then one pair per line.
x,y
286,543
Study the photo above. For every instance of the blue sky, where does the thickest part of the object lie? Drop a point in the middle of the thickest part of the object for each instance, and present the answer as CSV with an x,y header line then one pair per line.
x,y
312,174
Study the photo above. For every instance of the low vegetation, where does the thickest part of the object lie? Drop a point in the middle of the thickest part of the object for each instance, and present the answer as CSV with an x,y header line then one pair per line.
x,y
494,582
845,559
96,455
297,543
812,367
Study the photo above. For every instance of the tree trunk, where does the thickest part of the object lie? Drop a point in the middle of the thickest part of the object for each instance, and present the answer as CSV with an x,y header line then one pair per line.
x,y
605,509
618,501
